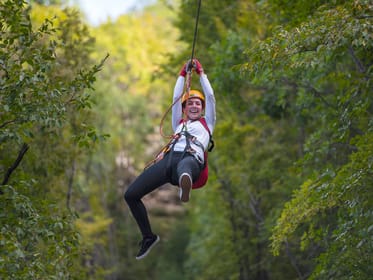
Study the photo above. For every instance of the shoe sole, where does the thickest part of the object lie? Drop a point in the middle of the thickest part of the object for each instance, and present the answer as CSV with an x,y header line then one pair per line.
x,y
147,252
185,187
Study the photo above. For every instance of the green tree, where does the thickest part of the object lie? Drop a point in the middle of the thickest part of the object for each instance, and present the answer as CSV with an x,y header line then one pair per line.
x,y
38,236
320,69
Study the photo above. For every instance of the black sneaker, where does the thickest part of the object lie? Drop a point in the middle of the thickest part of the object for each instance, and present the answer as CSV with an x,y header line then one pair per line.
x,y
146,245
185,184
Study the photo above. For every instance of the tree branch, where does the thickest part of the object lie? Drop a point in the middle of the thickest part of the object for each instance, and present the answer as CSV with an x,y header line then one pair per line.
x,y
6,123
293,261
357,61
70,184
320,96
10,170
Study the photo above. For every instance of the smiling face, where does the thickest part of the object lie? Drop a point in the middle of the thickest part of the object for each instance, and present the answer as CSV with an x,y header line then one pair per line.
x,y
193,108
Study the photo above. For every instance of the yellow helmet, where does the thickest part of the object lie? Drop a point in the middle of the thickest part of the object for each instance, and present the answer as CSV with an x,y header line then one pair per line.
x,y
193,93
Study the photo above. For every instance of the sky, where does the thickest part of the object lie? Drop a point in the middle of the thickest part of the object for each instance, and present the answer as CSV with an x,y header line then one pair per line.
x,y
99,11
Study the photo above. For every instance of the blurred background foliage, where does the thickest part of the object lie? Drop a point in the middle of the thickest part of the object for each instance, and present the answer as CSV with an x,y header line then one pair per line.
x,y
290,189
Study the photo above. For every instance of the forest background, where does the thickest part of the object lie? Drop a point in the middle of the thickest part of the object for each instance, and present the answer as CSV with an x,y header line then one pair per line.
x,y
290,188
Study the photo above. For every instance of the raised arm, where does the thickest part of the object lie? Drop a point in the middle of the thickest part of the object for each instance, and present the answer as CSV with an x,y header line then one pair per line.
x,y
177,112
210,111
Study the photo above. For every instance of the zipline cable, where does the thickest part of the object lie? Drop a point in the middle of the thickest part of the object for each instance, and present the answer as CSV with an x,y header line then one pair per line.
x,y
188,76
195,30
190,66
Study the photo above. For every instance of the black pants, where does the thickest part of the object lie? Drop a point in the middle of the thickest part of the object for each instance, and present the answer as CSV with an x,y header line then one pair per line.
x,y
165,171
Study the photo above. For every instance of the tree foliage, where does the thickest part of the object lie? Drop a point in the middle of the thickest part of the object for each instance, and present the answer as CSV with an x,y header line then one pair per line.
x,y
307,83
38,101
289,194
320,72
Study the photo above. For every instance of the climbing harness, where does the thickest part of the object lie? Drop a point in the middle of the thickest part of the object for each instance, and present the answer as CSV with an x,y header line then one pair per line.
x,y
169,148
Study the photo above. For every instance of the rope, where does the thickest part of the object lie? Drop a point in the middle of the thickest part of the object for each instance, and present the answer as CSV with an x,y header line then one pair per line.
x,y
163,118
188,75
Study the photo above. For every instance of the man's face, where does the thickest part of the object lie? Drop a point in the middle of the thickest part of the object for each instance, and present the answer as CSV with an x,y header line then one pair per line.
x,y
193,108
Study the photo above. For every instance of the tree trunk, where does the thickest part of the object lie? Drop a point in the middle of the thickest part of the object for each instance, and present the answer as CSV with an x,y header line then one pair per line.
x,y
10,170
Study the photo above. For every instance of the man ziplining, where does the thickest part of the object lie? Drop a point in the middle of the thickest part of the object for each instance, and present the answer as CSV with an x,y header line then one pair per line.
x,y
183,162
